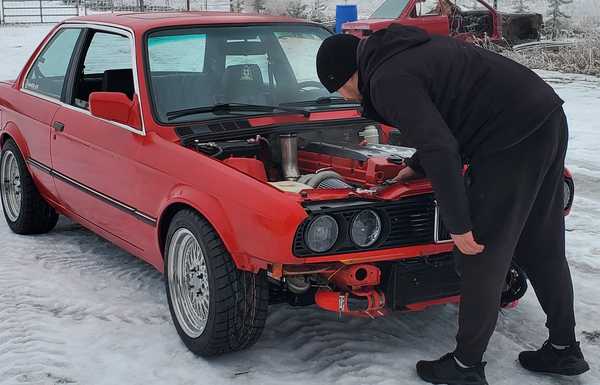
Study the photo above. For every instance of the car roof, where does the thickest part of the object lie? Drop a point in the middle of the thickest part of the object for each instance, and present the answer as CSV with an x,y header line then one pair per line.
x,y
141,22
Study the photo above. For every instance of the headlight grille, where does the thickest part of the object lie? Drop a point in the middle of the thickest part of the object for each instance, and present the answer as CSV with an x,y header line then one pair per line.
x,y
406,222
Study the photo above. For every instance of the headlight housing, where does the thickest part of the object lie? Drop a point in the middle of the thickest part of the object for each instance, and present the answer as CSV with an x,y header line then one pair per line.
x,y
322,233
365,228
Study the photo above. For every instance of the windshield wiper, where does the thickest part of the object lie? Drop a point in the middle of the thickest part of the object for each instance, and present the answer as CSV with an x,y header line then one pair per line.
x,y
234,107
322,101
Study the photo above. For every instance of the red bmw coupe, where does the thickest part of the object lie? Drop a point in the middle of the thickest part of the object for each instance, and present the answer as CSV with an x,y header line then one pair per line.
x,y
204,144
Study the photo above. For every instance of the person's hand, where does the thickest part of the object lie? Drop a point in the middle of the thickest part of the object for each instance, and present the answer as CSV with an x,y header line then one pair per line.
x,y
405,174
466,243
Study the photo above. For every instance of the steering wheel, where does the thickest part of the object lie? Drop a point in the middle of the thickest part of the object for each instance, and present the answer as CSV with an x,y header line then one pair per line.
x,y
302,86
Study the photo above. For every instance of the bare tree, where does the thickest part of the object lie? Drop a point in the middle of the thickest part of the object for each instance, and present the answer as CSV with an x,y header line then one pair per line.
x,y
317,10
556,16
236,5
297,9
258,6
520,6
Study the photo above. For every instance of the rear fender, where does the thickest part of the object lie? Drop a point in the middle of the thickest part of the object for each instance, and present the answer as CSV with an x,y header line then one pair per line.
x,y
11,131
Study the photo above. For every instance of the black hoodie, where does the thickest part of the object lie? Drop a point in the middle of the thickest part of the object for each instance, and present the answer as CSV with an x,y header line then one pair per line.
x,y
452,101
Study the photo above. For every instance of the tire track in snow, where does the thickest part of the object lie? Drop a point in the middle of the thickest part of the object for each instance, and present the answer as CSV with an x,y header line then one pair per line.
x,y
35,304
28,353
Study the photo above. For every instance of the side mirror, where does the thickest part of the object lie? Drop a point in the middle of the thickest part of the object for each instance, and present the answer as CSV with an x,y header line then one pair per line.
x,y
117,107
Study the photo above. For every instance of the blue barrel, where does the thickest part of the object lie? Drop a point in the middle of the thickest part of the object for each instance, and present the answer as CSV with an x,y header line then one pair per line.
x,y
343,14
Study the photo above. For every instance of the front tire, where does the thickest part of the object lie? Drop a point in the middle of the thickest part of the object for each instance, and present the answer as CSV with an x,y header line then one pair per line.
x,y
215,307
25,210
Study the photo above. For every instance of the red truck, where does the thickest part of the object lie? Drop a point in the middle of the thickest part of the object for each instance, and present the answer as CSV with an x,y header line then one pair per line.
x,y
204,144
469,20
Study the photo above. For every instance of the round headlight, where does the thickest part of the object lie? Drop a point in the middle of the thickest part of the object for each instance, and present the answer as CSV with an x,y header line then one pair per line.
x,y
366,228
322,233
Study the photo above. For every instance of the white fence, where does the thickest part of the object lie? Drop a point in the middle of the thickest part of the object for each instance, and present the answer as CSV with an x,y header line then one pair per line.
x,y
52,11
37,11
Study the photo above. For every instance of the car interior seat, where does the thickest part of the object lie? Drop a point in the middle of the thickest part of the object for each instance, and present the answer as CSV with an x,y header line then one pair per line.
x,y
243,83
119,80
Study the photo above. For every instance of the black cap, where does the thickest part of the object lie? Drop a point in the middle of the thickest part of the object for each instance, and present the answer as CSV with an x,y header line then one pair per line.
x,y
337,61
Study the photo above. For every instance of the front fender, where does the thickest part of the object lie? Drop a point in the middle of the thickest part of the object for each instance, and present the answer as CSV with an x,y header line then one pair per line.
x,y
211,209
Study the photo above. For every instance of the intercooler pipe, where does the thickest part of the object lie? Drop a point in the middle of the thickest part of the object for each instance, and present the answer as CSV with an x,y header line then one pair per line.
x,y
289,156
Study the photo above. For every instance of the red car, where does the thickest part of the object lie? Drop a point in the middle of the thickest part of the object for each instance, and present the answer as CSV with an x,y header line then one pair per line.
x,y
470,20
204,144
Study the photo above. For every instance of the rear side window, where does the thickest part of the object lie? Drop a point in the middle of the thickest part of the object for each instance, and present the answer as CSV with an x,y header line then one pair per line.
x,y
47,75
107,51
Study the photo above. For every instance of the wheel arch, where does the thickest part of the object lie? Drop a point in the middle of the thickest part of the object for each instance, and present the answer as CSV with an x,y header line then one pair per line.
x,y
210,209
11,131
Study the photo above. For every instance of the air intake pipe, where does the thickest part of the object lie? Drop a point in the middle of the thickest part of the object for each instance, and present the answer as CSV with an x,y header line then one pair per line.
x,y
289,156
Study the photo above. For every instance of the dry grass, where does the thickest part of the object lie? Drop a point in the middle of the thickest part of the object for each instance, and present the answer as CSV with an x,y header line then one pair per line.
x,y
582,57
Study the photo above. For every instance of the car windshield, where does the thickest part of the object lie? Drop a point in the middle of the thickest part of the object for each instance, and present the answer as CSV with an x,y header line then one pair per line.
x,y
268,65
389,9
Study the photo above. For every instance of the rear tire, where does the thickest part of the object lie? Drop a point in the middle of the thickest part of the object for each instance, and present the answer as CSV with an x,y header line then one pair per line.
x,y
215,307
25,210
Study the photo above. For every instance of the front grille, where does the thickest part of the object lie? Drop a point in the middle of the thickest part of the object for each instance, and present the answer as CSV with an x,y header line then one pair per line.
x,y
406,222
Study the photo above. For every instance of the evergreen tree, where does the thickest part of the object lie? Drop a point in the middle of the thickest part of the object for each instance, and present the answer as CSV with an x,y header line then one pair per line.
x,y
297,9
556,16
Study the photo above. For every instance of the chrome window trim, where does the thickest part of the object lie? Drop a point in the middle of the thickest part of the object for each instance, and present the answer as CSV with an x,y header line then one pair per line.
x,y
106,27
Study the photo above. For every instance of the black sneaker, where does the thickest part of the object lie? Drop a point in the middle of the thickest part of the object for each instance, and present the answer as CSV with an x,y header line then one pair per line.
x,y
447,371
566,362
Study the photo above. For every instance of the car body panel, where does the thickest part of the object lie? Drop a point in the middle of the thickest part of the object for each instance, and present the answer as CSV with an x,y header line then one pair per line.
x,y
28,120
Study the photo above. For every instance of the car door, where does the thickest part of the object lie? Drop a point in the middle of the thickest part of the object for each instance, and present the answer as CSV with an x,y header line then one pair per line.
x,y
41,94
428,15
94,160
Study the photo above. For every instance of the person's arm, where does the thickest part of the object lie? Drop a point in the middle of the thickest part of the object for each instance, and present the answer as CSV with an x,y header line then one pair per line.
x,y
404,102
414,163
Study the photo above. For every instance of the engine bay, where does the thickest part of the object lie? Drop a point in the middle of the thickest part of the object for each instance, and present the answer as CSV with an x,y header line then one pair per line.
x,y
324,158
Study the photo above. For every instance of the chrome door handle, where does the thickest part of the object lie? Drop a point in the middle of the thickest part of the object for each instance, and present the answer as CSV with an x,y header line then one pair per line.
x,y
58,126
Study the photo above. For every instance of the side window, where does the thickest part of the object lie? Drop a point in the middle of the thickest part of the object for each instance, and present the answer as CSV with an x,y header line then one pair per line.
x,y
106,67
107,51
47,75
428,8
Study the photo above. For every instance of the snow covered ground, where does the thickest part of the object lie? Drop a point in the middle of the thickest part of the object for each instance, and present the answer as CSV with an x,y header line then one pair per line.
x,y
76,310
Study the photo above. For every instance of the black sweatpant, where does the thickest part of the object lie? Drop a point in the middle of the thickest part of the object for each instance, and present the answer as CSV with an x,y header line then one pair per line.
x,y
516,202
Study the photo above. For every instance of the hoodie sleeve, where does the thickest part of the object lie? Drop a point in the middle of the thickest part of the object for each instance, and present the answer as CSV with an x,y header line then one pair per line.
x,y
403,102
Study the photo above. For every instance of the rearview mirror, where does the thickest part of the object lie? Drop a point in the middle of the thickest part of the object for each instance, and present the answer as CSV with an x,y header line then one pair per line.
x,y
117,107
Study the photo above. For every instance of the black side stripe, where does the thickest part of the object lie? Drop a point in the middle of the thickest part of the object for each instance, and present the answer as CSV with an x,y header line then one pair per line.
x,y
96,194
